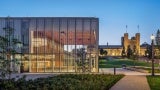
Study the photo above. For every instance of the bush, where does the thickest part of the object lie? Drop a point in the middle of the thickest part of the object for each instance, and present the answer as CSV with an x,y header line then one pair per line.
x,y
63,82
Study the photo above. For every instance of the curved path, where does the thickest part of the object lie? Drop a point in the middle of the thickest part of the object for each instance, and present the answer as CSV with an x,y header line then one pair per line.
x,y
130,82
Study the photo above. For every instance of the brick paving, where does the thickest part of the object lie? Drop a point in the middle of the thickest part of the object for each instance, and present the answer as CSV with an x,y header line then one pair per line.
x,y
130,82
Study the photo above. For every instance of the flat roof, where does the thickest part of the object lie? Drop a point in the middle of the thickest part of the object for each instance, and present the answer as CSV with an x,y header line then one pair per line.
x,y
50,17
110,46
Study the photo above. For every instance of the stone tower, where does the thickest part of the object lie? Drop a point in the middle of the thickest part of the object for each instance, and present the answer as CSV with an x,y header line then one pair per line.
x,y
137,44
125,41
134,41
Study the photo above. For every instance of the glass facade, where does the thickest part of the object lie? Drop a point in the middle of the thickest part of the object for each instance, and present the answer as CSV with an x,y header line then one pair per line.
x,y
56,44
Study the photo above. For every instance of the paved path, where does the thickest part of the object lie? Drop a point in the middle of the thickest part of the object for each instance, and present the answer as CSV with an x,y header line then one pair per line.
x,y
104,70
121,71
129,82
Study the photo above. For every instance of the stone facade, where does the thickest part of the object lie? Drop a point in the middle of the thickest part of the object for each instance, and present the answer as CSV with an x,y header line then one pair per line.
x,y
116,50
112,50
134,41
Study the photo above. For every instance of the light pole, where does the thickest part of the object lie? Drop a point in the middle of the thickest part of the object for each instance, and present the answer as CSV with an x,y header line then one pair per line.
x,y
152,38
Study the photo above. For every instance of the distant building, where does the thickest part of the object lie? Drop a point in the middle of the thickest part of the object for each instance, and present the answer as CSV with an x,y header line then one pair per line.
x,y
158,37
143,48
116,50
134,41
112,50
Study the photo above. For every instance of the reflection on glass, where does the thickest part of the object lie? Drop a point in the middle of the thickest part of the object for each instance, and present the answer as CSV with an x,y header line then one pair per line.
x,y
59,44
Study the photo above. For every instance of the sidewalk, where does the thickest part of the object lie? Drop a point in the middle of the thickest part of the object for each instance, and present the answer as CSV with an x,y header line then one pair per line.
x,y
121,71
130,82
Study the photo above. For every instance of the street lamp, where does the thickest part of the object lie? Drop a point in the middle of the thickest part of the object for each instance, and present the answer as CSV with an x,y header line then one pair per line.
x,y
152,38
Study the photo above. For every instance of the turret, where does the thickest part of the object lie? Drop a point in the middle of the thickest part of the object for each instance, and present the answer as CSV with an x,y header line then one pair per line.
x,y
125,43
138,42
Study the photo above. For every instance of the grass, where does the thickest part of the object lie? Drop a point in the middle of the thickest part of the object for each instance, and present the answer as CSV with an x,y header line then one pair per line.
x,y
118,63
150,69
154,82
64,82
155,70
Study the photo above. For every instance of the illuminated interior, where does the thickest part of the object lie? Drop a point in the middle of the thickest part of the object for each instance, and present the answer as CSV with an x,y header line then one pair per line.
x,y
55,44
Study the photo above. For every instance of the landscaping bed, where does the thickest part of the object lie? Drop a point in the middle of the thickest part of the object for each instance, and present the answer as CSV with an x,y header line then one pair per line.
x,y
63,82
154,82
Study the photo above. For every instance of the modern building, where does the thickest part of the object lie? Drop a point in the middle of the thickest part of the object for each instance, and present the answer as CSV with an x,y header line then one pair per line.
x,y
56,44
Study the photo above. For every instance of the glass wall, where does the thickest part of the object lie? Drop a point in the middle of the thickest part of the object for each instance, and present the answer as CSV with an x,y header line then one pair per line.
x,y
58,44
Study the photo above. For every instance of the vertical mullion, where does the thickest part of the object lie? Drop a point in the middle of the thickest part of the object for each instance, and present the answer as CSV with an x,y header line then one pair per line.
x,y
82,61
28,51
44,46
59,47
90,59
8,31
13,66
67,47
52,44
97,42
22,45
29,61
75,43
36,47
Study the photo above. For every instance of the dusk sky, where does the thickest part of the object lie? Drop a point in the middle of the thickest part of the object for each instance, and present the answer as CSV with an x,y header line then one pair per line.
x,y
113,15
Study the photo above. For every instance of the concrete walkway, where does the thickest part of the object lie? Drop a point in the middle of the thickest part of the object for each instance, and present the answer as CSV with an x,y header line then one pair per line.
x,y
130,82
121,71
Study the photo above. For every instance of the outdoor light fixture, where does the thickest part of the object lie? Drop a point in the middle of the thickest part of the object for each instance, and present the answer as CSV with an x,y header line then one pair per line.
x,y
152,43
152,37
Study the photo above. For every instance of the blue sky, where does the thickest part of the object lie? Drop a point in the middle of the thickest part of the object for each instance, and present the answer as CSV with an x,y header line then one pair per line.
x,y
114,15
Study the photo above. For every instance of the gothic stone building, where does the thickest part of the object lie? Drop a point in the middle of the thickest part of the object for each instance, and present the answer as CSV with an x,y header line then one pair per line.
x,y
116,50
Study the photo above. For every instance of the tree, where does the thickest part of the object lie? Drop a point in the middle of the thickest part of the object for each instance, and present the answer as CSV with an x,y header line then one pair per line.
x,y
134,55
105,52
129,52
82,63
148,52
8,51
101,51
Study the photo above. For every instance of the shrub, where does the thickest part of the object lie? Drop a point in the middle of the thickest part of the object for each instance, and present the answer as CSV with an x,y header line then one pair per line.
x,y
63,82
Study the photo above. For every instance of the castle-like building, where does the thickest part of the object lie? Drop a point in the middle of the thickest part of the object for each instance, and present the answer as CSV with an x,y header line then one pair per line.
x,y
133,42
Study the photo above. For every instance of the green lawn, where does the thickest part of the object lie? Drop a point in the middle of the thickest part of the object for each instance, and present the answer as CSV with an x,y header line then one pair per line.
x,y
118,63
156,70
154,82
64,82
